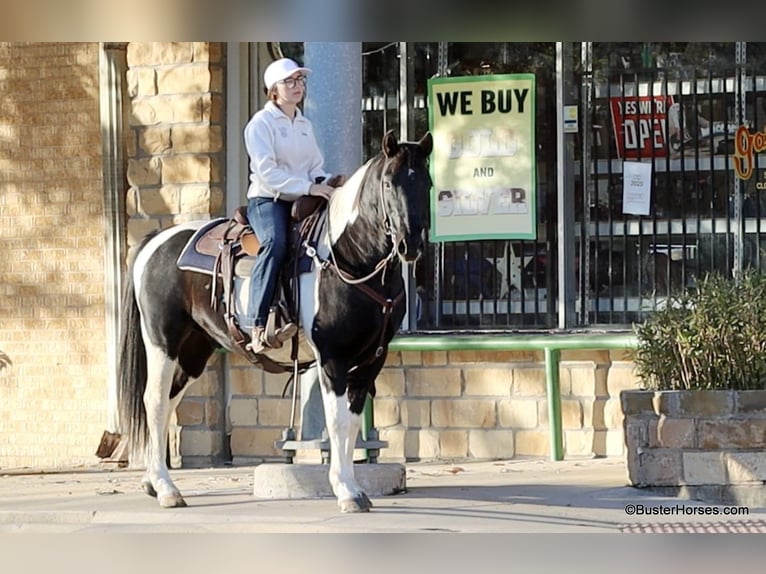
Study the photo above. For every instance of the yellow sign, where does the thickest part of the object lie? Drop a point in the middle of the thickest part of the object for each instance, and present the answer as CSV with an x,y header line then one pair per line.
x,y
483,164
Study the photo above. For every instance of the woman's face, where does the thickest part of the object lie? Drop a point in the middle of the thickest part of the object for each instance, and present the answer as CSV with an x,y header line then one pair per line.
x,y
291,90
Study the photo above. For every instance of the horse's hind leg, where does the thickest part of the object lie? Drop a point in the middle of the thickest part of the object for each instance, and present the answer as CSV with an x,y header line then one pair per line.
x,y
342,429
157,481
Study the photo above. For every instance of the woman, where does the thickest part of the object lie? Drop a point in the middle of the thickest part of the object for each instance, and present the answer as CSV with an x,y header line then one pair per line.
x,y
285,161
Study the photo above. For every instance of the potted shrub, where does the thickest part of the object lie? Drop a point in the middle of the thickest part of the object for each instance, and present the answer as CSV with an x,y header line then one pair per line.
x,y
699,426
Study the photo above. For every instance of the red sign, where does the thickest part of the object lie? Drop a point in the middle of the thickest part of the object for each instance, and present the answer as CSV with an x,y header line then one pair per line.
x,y
640,125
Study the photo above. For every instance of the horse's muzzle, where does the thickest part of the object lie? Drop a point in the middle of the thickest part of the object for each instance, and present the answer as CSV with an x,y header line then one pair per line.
x,y
410,249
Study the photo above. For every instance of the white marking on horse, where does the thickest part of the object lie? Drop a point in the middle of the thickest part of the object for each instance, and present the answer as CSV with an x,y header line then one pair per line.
x,y
343,427
155,243
342,209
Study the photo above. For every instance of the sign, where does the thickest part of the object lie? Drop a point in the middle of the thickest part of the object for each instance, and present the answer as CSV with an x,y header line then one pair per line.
x,y
570,120
483,163
636,187
640,125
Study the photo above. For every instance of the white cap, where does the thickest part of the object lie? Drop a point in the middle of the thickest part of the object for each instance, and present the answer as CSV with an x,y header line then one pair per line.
x,y
281,69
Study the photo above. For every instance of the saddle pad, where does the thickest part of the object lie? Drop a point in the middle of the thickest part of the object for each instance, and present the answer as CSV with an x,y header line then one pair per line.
x,y
192,260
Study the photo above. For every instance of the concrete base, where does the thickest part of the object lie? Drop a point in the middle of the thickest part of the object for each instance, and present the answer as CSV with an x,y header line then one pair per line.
x,y
282,481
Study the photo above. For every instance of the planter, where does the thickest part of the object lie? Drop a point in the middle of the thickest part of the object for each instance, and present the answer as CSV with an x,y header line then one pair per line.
x,y
703,445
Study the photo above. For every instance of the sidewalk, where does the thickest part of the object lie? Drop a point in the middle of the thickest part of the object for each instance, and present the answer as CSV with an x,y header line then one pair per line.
x,y
521,496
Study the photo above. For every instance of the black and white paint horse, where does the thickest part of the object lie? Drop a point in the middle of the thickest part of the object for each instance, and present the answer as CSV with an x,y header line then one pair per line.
x,y
351,304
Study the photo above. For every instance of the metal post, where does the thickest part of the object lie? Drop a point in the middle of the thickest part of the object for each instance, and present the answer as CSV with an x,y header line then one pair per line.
x,y
565,189
552,357
333,104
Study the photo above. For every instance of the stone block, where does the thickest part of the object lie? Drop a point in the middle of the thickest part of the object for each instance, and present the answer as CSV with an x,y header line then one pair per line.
x,y
518,413
667,403
705,403
390,383
145,171
196,139
532,442
453,444
206,386
731,433
433,382
571,413
637,431
199,199
488,382
491,444
583,381
637,402
193,78
743,467
463,413
275,384
676,433
421,444
615,443
393,359
654,467
386,412
276,412
434,358
162,201
411,357
201,442
579,442
252,442
154,140
212,414
190,413
703,468
415,413
245,381
395,438
141,82
622,377
750,402
243,412
613,416
529,382
596,356
186,168
593,413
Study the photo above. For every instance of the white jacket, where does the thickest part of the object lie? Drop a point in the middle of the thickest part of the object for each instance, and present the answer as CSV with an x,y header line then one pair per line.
x,y
284,157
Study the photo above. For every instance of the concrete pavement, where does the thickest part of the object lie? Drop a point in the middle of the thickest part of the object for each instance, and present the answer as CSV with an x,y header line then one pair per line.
x,y
515,496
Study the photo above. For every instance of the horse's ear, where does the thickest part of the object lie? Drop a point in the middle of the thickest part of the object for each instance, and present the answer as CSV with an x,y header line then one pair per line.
x,y
390,146
426,143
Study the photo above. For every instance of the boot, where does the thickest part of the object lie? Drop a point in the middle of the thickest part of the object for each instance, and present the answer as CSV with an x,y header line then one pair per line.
x,y
259,342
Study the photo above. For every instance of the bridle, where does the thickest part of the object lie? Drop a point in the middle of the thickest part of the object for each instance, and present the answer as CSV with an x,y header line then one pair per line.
x,y
387,304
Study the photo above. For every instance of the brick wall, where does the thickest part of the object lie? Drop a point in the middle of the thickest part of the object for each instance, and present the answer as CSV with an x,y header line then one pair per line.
x,y
52,316
458,405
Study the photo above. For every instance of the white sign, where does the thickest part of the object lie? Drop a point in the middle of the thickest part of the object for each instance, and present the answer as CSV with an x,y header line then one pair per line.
x,y
636,187
571,125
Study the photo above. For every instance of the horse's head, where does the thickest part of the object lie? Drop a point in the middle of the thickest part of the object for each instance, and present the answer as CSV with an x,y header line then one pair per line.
x,y
405,186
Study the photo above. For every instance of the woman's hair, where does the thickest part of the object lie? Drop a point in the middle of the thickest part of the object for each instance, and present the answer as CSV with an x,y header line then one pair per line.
x,y
271,94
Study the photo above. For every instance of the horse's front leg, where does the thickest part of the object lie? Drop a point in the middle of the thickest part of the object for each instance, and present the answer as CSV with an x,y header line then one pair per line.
x,y
342,429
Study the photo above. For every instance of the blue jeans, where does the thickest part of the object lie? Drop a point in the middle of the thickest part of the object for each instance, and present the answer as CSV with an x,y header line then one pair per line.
x,y
270,220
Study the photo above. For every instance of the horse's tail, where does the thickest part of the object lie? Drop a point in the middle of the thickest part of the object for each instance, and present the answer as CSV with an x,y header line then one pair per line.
x,y
131,371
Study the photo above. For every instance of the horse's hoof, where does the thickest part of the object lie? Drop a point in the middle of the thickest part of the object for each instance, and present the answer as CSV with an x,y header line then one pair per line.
x,y
353,505
149,489
172,501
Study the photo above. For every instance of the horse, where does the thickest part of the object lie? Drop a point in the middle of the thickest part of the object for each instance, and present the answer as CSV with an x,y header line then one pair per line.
x,y
351,305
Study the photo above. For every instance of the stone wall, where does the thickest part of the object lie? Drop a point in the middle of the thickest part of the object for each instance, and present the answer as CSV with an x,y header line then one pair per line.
x,y
175,150
707,445
454,405
52,311
175,171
